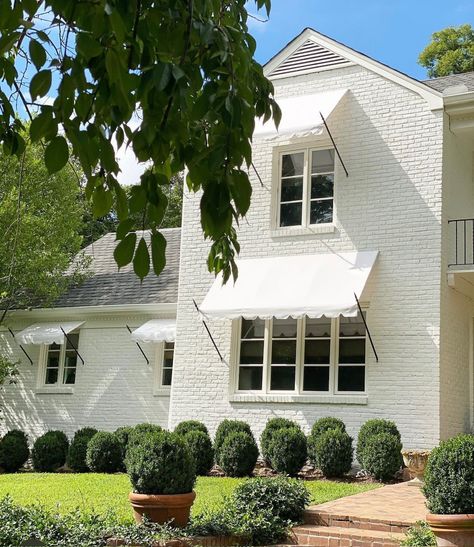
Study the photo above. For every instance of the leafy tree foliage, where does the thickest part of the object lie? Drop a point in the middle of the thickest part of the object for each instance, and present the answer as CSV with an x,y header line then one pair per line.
x,y
451,51
173,79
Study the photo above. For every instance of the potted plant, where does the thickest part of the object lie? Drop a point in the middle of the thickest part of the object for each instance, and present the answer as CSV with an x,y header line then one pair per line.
x,y
449,490
162,472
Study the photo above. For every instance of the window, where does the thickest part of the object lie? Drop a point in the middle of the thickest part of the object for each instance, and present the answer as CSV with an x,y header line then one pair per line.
x,y
61,362
302,356
306,193
164,367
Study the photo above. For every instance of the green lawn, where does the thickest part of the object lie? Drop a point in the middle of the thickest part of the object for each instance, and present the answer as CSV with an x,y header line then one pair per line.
x,y
96,492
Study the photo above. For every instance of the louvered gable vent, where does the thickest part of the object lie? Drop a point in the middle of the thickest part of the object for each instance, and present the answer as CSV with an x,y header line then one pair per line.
x,y
309,56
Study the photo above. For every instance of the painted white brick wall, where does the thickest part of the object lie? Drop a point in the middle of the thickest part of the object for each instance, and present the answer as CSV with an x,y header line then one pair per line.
x,y
392,145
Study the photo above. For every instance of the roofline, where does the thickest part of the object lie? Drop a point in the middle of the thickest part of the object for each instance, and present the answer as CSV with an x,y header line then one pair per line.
x,y
460,105
434,98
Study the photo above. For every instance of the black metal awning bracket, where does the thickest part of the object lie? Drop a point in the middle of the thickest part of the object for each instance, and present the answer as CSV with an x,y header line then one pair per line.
x,y
72,345
334,144
20,346
367,329
209,333
139,347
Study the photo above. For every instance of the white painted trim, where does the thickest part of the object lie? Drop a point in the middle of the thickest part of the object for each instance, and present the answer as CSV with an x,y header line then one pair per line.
x,y
159,390
41,385
323,399
471,374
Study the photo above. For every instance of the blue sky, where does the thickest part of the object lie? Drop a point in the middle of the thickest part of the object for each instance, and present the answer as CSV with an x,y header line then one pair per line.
x,y
391,31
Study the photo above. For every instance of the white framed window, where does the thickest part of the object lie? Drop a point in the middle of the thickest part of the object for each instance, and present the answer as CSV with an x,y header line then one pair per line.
x,y
164,368
58,363
301,356
305,187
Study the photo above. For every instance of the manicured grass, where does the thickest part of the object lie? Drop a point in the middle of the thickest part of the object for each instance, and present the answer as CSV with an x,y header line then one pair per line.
x,y
93,492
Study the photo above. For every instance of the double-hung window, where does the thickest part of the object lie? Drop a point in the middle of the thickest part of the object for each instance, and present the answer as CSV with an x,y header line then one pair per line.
x,y
60,362
306,187
164,367
301,356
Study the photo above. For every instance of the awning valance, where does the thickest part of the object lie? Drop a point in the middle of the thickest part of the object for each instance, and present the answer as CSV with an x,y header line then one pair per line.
x,y
47,333
156,330
292,286
300,115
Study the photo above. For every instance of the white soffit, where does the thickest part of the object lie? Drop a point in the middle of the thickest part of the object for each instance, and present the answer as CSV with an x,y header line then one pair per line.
x,y
292,286
300,115
47,333
156,330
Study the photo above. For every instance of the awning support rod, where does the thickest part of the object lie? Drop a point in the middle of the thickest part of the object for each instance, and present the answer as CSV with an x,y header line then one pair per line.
x,y
21,347
209,333
139,347
73,346
367,329
334,144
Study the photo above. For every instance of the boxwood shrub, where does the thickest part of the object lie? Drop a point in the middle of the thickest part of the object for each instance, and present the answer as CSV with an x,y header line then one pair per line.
x,y
449,477
76,455
274,424
200,445
50,451
325,424
288,450
382,455
370,428
224,429
104,453
122,434
331,451
190,425
14,451
238,454
160,463
140,430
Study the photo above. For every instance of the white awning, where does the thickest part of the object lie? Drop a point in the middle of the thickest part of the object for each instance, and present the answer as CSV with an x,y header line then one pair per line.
x,y
156,330
292,286
300,115
47,333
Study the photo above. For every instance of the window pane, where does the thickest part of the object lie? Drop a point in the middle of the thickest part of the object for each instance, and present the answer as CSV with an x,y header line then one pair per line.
x,y
168,359
284,328
251,353
292,164
316,379
169,345
253,328
291,189
317,352
322,186
318,328
69,376
51,376
351,379
290,214
70,359
352,350
167,376
352,326
282,378
283,352
250,378
321,212
72,341
53,359
322,161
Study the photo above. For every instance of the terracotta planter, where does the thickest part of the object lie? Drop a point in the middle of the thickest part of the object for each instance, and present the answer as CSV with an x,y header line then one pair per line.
x,y
416,461
162,508
452,530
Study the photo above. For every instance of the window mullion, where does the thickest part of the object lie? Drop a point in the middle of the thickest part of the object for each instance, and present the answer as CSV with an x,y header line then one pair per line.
x,y
306,194
334,353
300,354
267,352
62,360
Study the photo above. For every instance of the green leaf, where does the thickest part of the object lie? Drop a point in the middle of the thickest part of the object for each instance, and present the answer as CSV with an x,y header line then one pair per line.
x,y
121,202
158,252
87,46
240,190
123,253
37,54
124,227
102,201
40,84
56,154
141,260
43,126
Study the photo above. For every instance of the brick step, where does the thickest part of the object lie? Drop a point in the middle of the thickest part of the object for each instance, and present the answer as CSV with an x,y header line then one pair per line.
x,y
337,536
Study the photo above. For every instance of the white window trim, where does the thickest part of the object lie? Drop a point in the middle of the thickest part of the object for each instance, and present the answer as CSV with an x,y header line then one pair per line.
x,y
305,229
297,395
60,387
160,390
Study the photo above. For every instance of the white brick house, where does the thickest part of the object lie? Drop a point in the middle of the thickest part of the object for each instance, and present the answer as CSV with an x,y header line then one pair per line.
x,y
408,148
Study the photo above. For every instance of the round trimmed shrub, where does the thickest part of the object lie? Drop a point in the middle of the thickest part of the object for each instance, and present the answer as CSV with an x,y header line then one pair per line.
x,y
76,455
200,446
14,451
224,429
50,451
449,477
104,453
288,450
274,424
331,452
325,424
160,463
382,455
370,428
122,434
140,431
238,454
190,425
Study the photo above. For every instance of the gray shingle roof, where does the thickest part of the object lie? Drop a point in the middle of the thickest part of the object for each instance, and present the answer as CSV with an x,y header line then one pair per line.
x,y
440,84
108,286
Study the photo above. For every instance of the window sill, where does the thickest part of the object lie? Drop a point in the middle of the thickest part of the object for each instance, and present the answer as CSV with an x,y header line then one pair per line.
x,y
161,392
323,399
55,390
303,230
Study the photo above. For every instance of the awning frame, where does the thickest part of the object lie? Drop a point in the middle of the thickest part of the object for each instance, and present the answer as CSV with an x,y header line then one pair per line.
x,y
367,329
73,346
208,331
139,347
20,346
334,144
